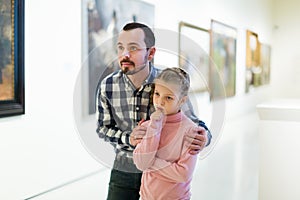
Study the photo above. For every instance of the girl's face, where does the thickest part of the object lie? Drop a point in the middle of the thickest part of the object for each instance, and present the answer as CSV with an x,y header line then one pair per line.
x,y
167,97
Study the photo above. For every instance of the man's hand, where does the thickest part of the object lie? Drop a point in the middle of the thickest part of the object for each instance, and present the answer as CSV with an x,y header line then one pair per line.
x,y
137,134
197,140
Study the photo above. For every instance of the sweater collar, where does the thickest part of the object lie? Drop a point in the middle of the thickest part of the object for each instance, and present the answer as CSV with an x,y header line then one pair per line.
x,y
174,117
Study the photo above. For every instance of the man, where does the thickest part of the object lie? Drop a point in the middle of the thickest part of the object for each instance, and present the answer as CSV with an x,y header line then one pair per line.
x,y
124,101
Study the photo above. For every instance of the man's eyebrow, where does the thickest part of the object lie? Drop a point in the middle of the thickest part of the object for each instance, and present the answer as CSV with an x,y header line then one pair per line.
x,y
133,43
130,43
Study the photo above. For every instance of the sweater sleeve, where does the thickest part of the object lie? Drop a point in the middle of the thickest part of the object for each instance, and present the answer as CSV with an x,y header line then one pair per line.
x,y
145,152
178,171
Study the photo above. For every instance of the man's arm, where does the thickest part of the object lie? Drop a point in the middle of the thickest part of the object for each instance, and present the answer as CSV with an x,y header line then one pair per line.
x,y
204,136
107,127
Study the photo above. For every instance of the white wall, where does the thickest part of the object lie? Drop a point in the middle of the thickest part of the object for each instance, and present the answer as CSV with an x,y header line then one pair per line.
x,y
286,52
41,149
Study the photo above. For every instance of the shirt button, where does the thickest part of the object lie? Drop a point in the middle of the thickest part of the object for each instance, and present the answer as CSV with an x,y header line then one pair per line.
x,y
137,108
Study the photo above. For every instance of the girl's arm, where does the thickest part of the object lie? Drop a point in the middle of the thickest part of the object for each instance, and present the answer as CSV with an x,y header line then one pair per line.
x,y
145,152
179,171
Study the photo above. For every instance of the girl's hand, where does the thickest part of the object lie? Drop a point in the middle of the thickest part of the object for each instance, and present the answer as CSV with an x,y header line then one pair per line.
x,y
157,115
138,133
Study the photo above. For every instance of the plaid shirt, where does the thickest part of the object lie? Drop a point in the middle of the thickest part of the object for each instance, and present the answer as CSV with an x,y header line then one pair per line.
x,y
121,106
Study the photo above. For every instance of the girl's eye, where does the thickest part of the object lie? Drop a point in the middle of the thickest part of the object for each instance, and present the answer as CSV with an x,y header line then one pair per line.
x,y
156,93
169,98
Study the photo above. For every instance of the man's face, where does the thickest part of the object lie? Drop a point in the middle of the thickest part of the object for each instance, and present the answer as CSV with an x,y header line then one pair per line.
x,y
132,52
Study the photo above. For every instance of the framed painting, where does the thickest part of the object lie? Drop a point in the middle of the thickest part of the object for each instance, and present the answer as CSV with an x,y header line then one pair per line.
x,y
265,60
253,67
102,21
252,49
223,53
11,58
194,55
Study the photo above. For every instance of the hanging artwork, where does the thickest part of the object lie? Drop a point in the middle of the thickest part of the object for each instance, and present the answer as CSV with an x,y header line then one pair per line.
x,y
194,55
265,58
11,58
102,21
223,54
253,67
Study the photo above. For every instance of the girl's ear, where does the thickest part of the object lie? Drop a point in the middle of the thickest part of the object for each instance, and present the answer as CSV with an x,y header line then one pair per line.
x,y
183,100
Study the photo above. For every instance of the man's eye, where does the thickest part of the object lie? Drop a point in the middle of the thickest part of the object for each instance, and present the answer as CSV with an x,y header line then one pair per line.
x,y
120,48
133,48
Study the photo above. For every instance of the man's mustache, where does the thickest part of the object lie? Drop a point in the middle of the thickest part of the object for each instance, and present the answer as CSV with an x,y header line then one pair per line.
x,y
127,61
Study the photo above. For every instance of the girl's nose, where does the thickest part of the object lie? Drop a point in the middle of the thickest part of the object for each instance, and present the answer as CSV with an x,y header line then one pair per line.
x,y
161,102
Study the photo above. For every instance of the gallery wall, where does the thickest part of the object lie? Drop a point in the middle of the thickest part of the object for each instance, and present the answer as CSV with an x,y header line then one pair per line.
x,y
286,53
42,149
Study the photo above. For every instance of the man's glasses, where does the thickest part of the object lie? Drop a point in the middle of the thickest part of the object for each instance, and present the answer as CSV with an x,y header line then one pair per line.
x,y
130,49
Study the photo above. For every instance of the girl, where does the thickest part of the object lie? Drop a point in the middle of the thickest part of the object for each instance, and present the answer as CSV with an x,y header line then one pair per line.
x,y
162,154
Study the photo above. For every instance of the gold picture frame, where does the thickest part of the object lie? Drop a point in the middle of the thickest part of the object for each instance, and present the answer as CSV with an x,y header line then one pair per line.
x,y
252,49
193,49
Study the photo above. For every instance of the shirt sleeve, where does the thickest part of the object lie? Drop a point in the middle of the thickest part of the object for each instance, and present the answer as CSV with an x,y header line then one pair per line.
x,y
144,154
107,126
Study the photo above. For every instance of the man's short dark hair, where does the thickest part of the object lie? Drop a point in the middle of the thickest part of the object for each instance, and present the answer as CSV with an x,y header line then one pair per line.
x,y
149,35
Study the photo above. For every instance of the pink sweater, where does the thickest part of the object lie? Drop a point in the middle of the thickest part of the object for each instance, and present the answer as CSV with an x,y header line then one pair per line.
x,y
164,159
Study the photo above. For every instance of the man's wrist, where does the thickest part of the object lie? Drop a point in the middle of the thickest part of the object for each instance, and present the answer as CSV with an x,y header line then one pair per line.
x,y
125,138
208,137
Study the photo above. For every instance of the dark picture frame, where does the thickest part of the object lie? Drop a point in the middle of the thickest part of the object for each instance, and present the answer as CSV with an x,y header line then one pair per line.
x,y
12,100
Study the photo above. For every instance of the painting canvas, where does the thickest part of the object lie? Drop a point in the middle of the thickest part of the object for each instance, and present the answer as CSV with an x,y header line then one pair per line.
x,y
265,57
194,55
6,62
223,54
105,18
11,57
253,67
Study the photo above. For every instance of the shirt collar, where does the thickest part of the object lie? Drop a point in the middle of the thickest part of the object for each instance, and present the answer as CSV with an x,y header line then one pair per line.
x,y
153,73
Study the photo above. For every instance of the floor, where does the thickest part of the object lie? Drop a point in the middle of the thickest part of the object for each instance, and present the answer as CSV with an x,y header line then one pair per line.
x,y
229,172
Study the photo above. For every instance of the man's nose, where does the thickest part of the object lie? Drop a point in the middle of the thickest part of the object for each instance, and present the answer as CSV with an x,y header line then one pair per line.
x,y
126,54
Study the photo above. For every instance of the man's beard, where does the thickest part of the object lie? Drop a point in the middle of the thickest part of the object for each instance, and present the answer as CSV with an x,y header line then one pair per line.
x,y
127,71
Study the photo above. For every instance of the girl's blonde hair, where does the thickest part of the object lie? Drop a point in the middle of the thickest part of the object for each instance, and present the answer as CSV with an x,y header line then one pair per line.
x,y
178,76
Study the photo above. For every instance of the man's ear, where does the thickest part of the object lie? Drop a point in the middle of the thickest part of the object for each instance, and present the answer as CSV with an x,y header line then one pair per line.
x,y
152,51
